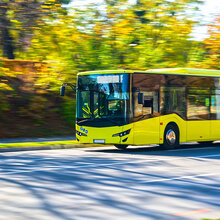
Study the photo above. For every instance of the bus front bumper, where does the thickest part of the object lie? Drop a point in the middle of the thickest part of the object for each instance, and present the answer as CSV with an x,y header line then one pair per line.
x,y
106,135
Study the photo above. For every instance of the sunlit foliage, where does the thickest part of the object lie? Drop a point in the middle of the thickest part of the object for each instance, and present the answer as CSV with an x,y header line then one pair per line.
x,y
213,44
114,35
19,18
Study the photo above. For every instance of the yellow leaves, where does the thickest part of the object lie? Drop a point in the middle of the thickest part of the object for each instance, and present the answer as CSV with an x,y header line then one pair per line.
x,y
161,41
172,65
19,1
5,87
123,28
213,43
7,72
15,21
111,15
46,6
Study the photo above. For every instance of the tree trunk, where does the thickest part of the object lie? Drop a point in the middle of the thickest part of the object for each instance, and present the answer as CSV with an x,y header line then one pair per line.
x,y
6,39
8,49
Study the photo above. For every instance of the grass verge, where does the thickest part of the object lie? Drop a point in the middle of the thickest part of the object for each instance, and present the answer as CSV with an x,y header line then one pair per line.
x,y
41,144
55,144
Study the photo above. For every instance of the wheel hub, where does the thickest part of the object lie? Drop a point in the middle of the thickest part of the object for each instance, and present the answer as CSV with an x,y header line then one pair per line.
x,y
171,137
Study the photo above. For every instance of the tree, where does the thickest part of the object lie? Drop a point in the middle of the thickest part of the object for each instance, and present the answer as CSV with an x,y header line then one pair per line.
x,y
147,34
6,39
18,19
162,32
150,34
212,44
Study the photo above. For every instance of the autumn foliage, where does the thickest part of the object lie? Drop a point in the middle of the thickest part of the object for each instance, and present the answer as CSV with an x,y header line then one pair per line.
x,y
212,44
44,43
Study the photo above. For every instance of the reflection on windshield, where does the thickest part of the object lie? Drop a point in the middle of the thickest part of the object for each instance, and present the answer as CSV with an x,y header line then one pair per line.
x,y
103,97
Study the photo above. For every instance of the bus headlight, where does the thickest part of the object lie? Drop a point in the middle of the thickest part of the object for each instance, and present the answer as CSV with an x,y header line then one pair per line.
x,y
122,133
80,133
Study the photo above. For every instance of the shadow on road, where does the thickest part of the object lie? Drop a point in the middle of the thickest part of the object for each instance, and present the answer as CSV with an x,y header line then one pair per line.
x,y
42,186
157,150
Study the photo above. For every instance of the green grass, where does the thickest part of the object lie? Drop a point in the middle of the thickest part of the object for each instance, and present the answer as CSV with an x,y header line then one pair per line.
x,y
210,219
55,144
41,144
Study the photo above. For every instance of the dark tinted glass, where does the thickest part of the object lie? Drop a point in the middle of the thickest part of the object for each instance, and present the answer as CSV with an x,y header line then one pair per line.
x,y
173,101
166,94
149,85
147,82
195,81
215,107
198,107
173,80
199,90
103,100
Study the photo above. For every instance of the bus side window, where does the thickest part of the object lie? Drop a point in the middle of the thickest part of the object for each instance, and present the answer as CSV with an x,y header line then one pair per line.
x,y
148,85
150,106
198,107
215,107
173,101
198,103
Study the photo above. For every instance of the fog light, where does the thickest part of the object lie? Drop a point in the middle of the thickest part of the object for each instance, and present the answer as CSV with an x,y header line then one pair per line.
x,y
125,140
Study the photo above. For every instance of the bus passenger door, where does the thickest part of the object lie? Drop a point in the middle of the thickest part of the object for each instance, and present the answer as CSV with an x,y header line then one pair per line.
x,y
146,122
215,117
198,123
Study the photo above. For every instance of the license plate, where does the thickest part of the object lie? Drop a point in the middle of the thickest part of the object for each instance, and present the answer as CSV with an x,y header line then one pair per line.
x,y
98,141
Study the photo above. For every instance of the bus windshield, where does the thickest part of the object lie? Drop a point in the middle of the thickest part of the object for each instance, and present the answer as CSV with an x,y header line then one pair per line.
x,y
103,100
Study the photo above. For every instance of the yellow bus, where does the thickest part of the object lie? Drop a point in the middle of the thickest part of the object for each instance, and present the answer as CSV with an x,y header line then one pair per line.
x,y
158,106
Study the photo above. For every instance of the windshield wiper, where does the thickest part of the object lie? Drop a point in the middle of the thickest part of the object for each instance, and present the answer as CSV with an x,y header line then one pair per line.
x,y
86,120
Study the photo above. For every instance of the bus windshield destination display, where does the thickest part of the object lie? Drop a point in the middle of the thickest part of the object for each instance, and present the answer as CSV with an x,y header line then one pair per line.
x,y
110,79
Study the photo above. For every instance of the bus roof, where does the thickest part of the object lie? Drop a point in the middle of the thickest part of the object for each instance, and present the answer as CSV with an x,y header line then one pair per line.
x,y
172,71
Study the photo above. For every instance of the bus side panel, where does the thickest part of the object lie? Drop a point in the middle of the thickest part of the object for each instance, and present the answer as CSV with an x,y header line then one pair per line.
x,y
215,130
146,131
166,119
128,139
198,130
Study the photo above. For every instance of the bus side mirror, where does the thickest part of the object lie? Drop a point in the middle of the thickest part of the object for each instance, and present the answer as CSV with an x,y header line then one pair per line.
x,y
140,98
62,90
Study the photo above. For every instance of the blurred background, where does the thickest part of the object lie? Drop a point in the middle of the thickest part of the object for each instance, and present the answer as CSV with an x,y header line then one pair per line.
x,y
47,42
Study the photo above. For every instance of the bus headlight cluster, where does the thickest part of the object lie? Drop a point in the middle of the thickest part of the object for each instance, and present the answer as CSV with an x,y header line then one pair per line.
x,y
80,133
122,133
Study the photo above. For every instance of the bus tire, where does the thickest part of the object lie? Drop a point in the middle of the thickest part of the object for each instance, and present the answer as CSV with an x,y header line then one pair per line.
x,y
121,146
171,137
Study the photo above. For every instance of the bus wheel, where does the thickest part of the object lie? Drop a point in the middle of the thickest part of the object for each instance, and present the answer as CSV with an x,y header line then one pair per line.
x,y
171,137
121,146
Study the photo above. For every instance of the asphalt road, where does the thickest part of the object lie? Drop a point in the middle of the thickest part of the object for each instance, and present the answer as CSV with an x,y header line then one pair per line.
x,y
104,183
